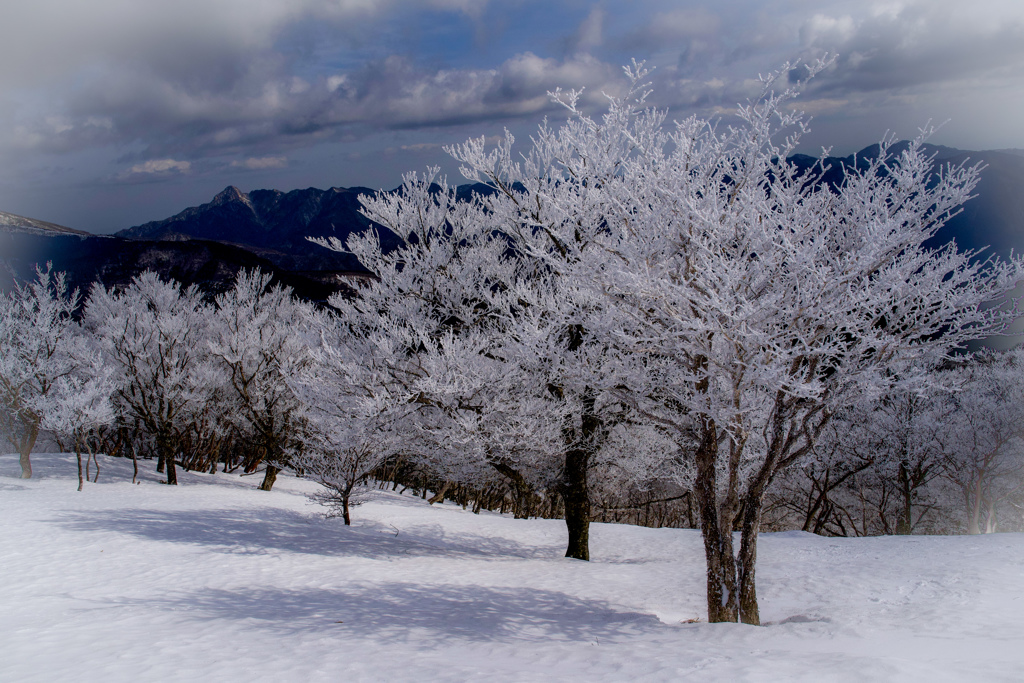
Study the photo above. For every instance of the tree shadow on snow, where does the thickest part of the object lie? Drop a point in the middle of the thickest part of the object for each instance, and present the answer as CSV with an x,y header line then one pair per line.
x,y
407,611
257,531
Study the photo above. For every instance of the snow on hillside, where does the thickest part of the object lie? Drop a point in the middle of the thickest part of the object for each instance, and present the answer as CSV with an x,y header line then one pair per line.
x,y
216,581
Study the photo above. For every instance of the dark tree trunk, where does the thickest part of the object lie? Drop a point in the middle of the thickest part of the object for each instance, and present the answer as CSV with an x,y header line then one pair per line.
x,y
905,521
522,491
575,488
95,461
78,454
165,458
172,471
723,604
28,442
749,613
269,477
439,496
344,511
577,504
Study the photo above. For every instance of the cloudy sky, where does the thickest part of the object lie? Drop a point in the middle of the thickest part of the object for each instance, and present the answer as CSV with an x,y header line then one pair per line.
x,y
115,112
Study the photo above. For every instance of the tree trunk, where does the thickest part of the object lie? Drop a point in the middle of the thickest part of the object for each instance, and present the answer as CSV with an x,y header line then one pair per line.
x,y
522,491
344,510
439,496
165,457
172,472
269,477
78,454
723,605
905,522
575,488
95,461
577,504
28,442
749,613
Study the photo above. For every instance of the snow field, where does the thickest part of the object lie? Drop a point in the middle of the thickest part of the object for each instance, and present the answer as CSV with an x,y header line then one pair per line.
x,y
216,581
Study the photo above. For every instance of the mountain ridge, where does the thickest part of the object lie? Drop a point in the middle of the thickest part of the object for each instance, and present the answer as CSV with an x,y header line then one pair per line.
x,y
276,224
273,223
268,228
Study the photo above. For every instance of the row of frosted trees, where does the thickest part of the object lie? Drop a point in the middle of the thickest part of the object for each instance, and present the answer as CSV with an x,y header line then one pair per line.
x,y
236,383
633,306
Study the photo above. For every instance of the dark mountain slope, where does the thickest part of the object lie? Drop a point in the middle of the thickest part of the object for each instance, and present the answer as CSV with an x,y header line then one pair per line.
x,y
275,224
272,224
113,262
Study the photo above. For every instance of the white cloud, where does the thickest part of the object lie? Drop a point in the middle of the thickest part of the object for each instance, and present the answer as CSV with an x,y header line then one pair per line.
x,y
161,166
421,147
591,31
261,163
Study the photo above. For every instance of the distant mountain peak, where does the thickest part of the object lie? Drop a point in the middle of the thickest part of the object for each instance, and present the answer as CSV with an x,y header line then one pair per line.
x,y
230,194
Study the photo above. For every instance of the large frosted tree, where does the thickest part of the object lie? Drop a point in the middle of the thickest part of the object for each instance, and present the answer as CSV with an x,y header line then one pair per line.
x,y
722,293
764,299
489,339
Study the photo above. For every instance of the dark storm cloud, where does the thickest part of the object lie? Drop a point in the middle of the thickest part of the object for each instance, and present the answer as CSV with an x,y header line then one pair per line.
x,y
267,107
177,80
195,91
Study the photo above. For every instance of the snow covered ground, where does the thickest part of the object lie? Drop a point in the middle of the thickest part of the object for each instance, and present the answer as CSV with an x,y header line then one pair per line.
x,y
216,581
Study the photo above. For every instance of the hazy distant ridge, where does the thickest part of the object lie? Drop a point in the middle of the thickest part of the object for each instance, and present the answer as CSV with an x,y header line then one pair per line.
x,y
10,222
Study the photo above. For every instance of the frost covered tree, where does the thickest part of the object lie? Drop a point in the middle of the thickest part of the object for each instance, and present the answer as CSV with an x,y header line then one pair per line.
x,y
36,336
355,415
257,338
79,404
982,437
490,340
768,300
900,432
875,469
154,336
738,300
433,328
